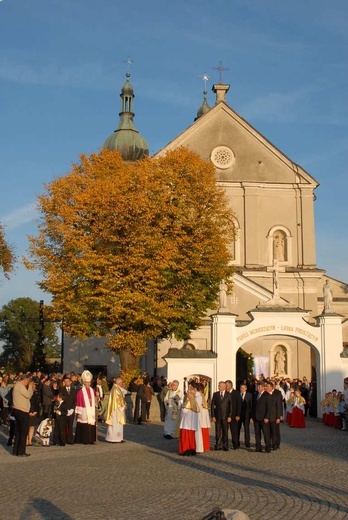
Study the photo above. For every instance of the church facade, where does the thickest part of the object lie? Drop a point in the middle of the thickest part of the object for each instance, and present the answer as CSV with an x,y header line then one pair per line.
x,y
284,311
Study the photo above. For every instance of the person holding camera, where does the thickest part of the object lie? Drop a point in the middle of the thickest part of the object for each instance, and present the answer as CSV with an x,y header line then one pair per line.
x,y
21,395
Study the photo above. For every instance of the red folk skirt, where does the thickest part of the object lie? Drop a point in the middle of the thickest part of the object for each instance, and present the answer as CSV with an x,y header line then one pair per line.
x,y
297,420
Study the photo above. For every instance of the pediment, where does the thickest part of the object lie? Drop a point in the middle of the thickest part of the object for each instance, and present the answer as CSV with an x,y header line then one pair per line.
x,y
247,295
255,158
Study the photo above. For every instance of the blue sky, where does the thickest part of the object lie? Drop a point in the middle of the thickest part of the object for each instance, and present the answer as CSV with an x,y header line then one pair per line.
x,y
62,67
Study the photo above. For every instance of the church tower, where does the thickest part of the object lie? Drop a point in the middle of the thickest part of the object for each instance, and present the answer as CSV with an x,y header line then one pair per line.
x,y
126,138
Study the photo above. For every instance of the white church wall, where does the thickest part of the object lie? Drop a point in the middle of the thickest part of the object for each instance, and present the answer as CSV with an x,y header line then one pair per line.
x,y
79,353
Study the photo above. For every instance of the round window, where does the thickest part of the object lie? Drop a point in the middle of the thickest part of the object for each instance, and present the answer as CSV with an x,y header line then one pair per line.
x,y
222,157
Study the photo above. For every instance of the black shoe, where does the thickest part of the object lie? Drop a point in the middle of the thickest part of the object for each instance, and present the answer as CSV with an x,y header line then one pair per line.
x,y
123,441
268,451
247,444
225,449
258,450
167,436
217,448
9,443
24,455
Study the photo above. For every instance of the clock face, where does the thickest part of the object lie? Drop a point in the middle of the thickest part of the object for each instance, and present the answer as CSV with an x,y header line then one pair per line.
x,y
222,157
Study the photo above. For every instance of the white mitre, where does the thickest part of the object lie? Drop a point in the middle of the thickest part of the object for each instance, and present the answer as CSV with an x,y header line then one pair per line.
x,y
86,376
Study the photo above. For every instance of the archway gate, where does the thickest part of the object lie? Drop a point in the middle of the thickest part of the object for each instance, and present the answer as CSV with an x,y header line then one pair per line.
x,y
325,337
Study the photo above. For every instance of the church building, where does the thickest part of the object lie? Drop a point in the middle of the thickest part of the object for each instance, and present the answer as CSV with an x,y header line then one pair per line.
x,y
284,313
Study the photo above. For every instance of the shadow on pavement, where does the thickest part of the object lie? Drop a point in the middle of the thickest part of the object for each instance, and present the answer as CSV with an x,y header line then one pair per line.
x,y
194,463
46,509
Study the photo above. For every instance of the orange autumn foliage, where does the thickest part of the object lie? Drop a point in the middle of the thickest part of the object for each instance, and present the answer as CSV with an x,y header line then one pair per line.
x,y
133,251
7,257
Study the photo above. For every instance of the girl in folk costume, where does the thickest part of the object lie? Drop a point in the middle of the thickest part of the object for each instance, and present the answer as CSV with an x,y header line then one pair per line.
x,y
203,432
172,403
86,431
289,404
298,411
331,400
189,424
325,406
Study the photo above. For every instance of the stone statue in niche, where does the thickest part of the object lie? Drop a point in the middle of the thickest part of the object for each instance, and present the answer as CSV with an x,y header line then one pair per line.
x,y
328,296
279,362
223,295
279,246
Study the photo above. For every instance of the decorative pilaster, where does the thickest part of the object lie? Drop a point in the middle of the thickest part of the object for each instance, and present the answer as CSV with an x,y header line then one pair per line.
x,y
331,366
223,344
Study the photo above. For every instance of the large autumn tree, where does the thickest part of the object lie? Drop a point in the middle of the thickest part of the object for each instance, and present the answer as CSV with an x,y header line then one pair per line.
x,y
133,251
7,257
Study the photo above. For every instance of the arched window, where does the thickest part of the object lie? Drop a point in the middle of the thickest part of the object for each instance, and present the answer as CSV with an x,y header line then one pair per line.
x,y
279,246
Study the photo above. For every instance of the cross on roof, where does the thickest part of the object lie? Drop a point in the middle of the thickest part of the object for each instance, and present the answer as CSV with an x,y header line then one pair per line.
x,y
205,78
220,68
129,63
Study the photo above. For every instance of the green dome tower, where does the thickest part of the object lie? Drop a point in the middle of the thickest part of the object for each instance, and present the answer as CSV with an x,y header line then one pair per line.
x,y
126,138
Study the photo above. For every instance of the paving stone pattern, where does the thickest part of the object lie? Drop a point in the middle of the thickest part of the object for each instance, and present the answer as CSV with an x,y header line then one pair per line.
x,y
146,479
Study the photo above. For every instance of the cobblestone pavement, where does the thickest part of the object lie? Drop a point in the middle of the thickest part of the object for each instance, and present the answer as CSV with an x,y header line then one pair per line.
x,y
145,478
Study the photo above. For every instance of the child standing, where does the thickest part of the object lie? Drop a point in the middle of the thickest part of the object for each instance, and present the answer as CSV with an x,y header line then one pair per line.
x,y
60,411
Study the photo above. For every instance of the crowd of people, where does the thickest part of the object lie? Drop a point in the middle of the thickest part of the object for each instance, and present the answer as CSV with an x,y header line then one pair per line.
x,y
65,409
335,408
265,403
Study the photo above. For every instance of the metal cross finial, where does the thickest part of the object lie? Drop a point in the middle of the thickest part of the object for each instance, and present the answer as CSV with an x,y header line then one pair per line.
x,y
205,78
129,63
220,68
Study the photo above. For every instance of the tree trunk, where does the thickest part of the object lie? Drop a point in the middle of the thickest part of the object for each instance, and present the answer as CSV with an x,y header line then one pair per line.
x,y
128,361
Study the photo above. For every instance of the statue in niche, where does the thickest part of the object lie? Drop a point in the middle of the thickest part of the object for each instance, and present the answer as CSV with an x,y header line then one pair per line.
x,y
279,362
223,295
279,246
344,353
328,296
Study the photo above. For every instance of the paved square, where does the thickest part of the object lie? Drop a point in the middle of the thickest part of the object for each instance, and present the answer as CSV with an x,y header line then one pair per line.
x,y
146,479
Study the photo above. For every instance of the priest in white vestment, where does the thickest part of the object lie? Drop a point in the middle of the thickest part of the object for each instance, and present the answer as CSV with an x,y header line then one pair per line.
x,y
116,413
172,403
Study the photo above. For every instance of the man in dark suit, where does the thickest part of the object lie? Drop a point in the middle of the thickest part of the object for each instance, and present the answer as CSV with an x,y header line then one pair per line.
x,y
261,415
275,414
47,399
245,414
221,413
236,410
69,395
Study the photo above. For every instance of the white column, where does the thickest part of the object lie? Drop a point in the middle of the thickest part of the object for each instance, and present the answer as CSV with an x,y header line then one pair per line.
x,y
331,368
223,343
